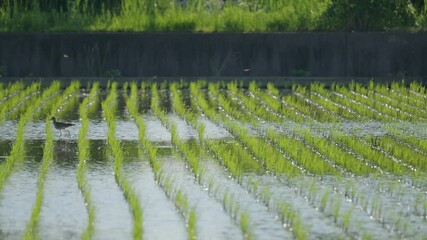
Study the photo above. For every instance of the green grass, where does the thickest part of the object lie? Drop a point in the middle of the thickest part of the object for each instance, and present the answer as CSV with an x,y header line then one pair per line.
x,y
161,15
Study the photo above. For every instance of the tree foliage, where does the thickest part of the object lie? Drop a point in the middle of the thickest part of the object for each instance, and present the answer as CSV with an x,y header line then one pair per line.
x,y
371,15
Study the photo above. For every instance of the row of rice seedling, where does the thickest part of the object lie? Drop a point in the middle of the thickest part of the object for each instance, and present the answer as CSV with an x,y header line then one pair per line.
x,y
151,149
271,98
231,155
288,215
302,93
17,103
182,204
363,95
291,101
378,139
274,161
7,92
319,94
410,158
337,206
17,153
50,97
83,150
174,193
341,157
409,106
109,106
408,139
252,104
189,151
361,105
31,229
237,160
298,153
338,95
365,150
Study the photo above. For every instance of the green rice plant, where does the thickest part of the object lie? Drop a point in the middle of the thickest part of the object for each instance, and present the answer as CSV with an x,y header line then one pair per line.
x,y
425,209
409,157
235,164
342,95
336,209
408,139
83,155
292,220
347,220
301,97
16,105
49,97
11,90
228,105
182,204
245,226
411,109
17,152
322,96
63,106
31,229
192,227
324,200
109,107
275,103
188,151
365,150
155,107
361,94
252,105
337,154
300,152
151,150
277,164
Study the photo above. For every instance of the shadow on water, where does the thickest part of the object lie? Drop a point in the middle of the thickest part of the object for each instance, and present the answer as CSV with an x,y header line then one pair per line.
x,y
5,147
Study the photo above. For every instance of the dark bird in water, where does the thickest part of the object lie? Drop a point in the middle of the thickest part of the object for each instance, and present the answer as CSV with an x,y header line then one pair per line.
x,y
60,125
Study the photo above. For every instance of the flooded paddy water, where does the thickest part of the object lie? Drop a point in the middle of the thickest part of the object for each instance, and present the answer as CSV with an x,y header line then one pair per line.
x,y
213,161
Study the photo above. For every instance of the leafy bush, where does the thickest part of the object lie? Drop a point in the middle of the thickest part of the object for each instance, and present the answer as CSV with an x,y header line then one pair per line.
x,y
368,15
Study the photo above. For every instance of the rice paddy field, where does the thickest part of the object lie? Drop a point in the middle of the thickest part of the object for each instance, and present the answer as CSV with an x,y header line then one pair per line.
x,y
204,160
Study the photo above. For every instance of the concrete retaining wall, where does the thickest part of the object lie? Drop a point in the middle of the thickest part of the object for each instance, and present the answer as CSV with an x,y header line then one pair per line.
x,y
213,55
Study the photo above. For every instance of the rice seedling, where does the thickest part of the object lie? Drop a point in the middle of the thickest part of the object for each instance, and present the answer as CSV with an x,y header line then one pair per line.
x,y
347,219
320,95
273,98
83,149
356,182
181,202
251,104
258,147
16,104
17,152
31,229
229,160
109,107
337,154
